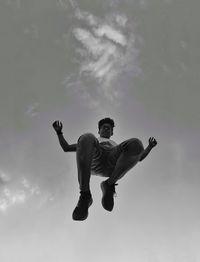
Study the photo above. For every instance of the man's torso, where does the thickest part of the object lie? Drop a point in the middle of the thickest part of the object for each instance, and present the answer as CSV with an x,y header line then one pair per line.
x,y
106,143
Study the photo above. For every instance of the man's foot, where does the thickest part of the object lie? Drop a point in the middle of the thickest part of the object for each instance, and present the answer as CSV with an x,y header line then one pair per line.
x,y
108,195
81,210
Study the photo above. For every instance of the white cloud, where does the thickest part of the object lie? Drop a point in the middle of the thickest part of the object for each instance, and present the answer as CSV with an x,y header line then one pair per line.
x,y
17,193
121,20
62,4
73,4
104,56
106,51
4,178
111,33
87,17
9,198
90,42
32,110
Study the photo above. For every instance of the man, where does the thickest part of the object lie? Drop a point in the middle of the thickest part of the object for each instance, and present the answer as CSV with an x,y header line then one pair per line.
x,y
102,156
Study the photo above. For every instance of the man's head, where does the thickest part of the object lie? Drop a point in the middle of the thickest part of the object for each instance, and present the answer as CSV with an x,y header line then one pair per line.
x,y
106,126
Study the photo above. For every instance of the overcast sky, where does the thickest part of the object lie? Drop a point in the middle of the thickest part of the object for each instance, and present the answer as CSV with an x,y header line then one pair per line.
x,y
78,61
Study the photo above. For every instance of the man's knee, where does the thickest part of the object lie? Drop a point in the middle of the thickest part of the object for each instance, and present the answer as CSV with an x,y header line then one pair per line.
x,y
133,146
89,137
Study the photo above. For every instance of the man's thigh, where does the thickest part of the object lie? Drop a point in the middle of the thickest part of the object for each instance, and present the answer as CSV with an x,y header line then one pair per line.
x,y
134,144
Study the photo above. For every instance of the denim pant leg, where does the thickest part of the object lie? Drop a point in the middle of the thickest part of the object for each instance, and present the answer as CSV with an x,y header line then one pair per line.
x,y
132,146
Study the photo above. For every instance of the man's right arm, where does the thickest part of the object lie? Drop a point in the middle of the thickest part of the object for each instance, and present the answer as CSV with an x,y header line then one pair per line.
x,y
65,146
57,125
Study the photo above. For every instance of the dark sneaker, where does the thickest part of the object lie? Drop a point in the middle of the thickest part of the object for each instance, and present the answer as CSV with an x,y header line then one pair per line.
x,y
108,195
81,210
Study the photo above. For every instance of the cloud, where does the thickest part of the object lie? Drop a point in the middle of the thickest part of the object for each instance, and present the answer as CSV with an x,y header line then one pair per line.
x,y
9,198
32,110
121,20
62,4
15,193
90,42
106,51
87,17
112,34
102,54
4,178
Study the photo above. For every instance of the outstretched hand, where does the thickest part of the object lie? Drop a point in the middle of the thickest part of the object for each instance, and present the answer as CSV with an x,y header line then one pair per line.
x,y
57,125
152,142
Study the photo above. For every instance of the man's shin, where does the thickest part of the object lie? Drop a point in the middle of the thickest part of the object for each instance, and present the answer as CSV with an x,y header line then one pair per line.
x,y
123,165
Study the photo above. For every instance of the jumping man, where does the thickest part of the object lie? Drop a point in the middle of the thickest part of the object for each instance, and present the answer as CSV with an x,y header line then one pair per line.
x,y
102,156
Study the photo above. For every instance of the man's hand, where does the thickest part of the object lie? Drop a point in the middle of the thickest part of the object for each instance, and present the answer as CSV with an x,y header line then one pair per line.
x,y
152,142
57,125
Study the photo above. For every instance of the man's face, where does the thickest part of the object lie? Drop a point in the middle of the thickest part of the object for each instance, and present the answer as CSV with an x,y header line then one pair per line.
x,y
106,130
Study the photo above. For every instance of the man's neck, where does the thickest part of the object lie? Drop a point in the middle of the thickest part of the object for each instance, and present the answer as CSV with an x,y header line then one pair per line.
x,y
105,137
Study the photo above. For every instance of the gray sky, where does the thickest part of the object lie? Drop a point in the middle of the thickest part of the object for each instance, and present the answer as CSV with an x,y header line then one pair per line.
x,y
76,61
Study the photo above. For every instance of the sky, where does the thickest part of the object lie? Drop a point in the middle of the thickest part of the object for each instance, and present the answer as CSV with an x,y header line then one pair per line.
x,y
79,61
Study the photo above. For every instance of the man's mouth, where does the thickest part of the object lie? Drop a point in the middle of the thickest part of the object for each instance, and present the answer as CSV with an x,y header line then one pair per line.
x,y
107,134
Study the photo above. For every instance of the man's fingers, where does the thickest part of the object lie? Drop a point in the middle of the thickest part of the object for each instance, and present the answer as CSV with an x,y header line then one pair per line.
x,y
152,141
56,123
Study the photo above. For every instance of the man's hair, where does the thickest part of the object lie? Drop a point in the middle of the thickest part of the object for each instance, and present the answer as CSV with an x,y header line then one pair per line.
x,y
106,120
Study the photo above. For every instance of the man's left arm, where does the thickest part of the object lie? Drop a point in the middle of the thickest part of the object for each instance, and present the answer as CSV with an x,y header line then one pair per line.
x,y
152,143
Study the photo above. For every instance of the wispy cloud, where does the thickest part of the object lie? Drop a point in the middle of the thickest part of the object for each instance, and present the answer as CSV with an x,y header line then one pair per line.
x,y
106,50
87,17
62,4
4,178
9,198
121,20
15,193
111,34
32,110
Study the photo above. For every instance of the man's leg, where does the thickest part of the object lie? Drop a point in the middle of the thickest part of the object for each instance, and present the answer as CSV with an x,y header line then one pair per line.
x,y
130,151
85,149
84,154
